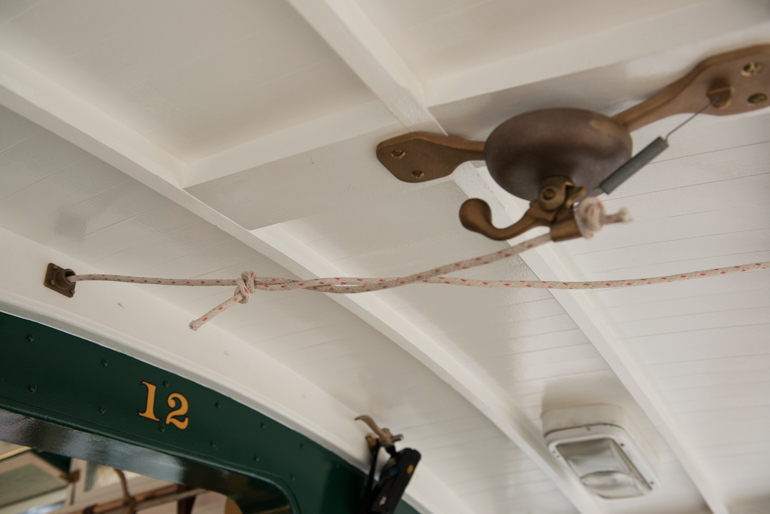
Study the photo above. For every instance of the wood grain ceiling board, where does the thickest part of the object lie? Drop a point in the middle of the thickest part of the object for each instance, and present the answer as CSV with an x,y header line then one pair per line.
x,y
521,341
194,78
441,38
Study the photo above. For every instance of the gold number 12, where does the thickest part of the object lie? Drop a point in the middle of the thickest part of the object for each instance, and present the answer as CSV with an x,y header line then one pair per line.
x,y
175,417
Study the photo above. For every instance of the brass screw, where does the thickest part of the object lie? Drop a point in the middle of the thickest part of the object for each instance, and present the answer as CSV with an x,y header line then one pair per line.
x,y
398,154
418,174
752,69
757,98
548,194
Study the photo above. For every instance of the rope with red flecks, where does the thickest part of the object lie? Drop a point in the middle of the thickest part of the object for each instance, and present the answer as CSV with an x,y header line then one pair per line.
x,y
590,217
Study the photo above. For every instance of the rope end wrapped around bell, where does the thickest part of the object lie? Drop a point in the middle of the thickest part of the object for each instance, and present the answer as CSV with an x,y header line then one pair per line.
x,y
590,217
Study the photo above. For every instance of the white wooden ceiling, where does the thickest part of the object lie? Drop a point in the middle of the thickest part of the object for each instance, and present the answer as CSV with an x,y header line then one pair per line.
x,y
202,139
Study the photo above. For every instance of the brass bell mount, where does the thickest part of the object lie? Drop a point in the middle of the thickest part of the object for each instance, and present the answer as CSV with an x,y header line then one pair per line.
x,y
562,149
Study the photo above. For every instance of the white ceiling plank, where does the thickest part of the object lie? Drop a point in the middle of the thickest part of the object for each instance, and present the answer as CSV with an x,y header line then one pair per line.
x,y
551,264
435,357
686,26
325,131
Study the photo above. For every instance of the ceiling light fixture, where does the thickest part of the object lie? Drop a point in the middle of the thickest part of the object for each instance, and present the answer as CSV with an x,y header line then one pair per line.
x,y
595,444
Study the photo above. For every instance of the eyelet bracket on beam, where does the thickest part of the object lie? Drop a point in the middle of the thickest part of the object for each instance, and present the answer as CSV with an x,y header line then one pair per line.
x,y
56,280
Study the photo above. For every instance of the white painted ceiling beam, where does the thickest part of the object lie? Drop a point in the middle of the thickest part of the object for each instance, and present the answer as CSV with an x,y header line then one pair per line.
x,y
155,331
34,96
348,30
490,402
645,36
345,27
58,110
334,128
362,46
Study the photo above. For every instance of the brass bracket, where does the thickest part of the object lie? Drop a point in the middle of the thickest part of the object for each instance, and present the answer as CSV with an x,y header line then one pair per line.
x,y
420,156
56,280
741,78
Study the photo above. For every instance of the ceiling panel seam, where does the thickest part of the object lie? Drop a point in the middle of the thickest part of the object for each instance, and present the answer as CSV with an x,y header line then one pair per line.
x,y
325,131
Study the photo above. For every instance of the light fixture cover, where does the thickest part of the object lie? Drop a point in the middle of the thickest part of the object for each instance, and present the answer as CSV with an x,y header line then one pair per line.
x,y
606,459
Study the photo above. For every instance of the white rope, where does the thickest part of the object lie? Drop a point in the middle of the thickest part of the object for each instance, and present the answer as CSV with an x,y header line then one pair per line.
x,y
590,217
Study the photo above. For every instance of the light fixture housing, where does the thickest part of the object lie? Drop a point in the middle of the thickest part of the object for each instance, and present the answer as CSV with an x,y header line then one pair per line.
x,y
595,444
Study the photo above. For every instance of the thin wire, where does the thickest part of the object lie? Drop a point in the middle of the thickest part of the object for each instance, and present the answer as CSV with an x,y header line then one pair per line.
x,y
685,122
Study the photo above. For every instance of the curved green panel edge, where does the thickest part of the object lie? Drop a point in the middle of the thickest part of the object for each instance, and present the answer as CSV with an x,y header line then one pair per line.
x,y
60,378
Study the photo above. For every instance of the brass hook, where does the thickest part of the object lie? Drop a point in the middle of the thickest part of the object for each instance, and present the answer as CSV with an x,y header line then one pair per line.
x,y
553,208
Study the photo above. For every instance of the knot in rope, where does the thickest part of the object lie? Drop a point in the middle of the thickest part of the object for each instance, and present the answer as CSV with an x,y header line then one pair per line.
x,y
245,286
591,216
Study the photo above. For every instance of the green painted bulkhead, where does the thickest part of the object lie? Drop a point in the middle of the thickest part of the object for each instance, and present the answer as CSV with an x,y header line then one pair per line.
x,y
63,394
